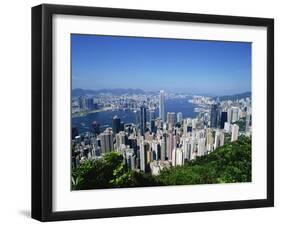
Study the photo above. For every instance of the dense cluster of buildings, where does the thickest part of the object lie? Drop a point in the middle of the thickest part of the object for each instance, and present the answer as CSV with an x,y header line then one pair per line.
x,y
155,142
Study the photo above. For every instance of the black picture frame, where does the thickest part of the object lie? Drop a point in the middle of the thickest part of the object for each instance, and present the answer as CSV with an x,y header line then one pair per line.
x,y
42,111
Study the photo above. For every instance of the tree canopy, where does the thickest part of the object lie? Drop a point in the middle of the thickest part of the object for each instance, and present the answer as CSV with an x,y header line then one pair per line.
x,y
227,164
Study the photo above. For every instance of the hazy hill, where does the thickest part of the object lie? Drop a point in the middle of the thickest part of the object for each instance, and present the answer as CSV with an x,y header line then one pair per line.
x,y
84,92
235,96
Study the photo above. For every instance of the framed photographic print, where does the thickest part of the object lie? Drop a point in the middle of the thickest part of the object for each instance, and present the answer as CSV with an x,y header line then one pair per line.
x,y
145,112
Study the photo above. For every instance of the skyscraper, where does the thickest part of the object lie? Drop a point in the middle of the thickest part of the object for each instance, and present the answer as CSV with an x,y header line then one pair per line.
x,y
95,128
248,120
155,149
142,119
171,145
186,148
116,127
106,140
74,132
152,121
227,127
229,115
138,117
209,140
179,117
82,103
143,155
234,132
122,126
129,158
162,105
223,119
214,116
219,139
171,118
201,147
222,139
177,157
164,147
90,103
151,115
234,114
120,140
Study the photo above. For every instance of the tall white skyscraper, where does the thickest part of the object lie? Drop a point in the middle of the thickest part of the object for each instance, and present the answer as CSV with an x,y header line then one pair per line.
x,y
219,139
142,156
179,117
227,127
171,145
229,115
162,105
163,149
235,114
248,118
120,140
106,140
186,146
154,147
201,147
177,157
234,132
171,118
194,123
209,140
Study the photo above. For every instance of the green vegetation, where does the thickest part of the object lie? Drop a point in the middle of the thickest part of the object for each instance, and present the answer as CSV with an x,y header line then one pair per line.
x,y
227,164
108,172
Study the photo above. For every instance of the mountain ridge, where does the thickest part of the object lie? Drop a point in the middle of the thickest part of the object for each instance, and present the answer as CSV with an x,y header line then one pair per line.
x,y
84,92
237,96
119,91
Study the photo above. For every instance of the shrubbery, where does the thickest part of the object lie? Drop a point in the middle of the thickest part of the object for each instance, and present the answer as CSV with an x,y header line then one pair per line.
x,y
227,164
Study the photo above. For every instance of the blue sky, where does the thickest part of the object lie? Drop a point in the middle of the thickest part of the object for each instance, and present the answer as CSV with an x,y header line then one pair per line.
x,y
152,64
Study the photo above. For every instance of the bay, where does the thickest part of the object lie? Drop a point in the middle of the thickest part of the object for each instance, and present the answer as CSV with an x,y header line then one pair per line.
x,y
83,123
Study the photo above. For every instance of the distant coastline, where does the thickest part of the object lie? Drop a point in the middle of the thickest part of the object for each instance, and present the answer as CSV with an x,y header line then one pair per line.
x,y
85,113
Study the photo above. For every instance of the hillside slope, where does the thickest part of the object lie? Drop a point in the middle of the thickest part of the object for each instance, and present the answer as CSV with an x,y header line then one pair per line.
x,y
227,164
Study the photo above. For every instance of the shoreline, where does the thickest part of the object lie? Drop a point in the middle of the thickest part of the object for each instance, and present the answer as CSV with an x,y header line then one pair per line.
x,y
83,114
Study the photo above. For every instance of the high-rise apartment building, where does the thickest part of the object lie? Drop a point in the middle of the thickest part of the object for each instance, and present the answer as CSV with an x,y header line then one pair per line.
x,y
214,116
116,126
162,105
171,119
234,132
142,120
179,117
223,119
234,114
106,140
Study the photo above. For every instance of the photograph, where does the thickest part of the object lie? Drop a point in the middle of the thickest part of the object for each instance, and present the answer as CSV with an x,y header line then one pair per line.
x,y
159,112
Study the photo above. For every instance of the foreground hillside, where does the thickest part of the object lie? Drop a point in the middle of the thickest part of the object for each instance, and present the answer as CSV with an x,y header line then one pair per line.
x,y
227,164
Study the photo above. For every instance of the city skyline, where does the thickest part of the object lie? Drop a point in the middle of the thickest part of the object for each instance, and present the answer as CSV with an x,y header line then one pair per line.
x,y
107,62
151,149
156,91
